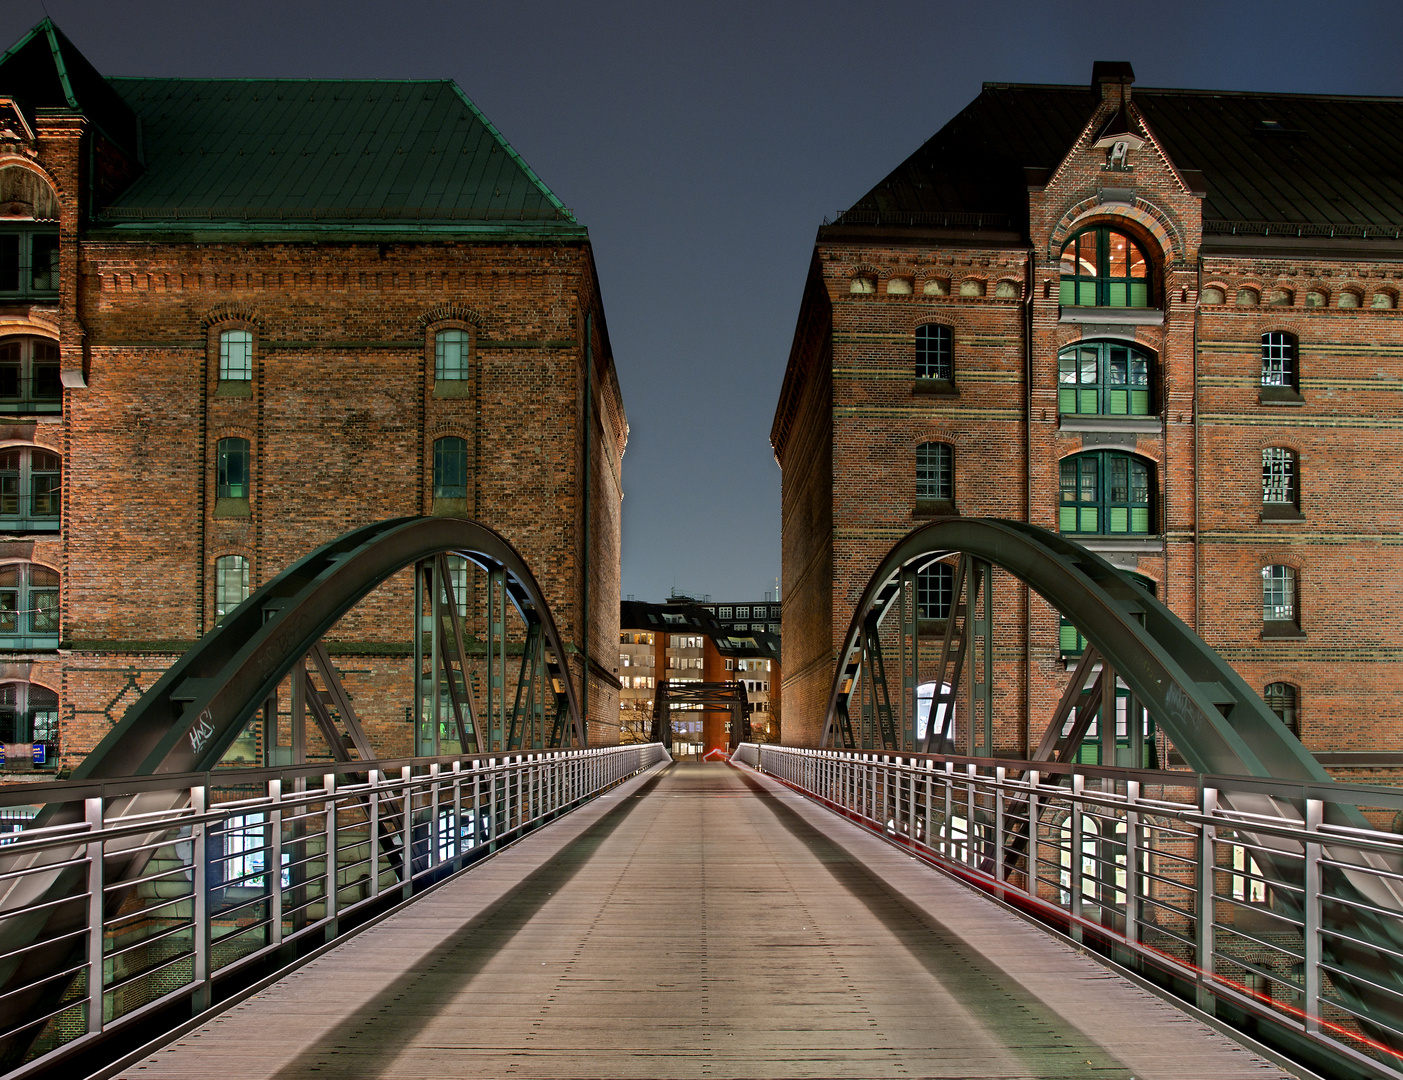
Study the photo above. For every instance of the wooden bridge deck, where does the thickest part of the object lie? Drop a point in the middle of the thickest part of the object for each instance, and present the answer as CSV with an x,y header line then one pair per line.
x,y
701,921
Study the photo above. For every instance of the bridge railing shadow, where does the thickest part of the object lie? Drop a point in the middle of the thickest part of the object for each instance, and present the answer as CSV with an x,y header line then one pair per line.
x,y
1247,916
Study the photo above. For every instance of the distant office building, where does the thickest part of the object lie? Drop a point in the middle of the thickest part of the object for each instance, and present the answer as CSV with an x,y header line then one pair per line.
x,y
241,317
683,640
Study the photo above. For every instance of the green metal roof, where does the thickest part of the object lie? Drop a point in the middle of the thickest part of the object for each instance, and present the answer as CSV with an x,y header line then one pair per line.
x,y
287,150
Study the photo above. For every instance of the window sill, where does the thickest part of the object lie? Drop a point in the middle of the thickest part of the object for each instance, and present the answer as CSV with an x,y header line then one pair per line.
x,y
452,388
232,508
930,628
1124,316
450,508
1139,545
934,508
1138,425
15,407
1281,512
28,525
1280,630
30,643
935,388
234,388
1280,395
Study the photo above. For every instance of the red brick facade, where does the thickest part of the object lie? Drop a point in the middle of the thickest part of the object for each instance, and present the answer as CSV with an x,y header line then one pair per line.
x,y
851,415
341,416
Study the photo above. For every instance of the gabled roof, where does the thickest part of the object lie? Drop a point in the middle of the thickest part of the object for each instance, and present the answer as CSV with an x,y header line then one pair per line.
x,y
284,149
43,70
1267,159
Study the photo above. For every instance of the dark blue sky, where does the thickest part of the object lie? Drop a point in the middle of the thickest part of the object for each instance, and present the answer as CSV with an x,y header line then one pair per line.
x,y
703,143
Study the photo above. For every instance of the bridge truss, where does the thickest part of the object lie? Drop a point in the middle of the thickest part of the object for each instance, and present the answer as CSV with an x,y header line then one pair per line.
x,y
85,920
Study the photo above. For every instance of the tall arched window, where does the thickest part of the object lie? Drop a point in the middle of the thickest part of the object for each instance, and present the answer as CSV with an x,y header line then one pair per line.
x,y
1281,699
1279,607
29,378
935,591
28,606
1279,368
935,352
29,489
450,468
1280,481
935,476
1103,267
231,473
29,714
235,356
1105,377
230,584
1106,493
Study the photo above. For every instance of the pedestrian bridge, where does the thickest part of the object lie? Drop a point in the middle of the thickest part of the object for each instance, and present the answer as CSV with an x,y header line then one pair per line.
x,y
700,920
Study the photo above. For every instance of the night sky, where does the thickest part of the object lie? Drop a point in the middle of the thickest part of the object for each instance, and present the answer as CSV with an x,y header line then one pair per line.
x,y
703,144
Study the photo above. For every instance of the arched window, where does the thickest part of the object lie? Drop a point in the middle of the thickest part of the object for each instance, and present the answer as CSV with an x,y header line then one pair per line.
x,y
29,379
450,468
1248,297
1104,267
1281,699
29,714
231,471
1279,368
28,606
29,260
935,356
935,591
1106,493
1383,300
862,285
1105,377
935,476
230,584
29,489
1279,596
1280,478
235,356
452,350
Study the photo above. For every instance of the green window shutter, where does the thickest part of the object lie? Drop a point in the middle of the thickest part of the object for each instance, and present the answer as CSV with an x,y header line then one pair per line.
x,y
1066,292
1067,519
1115,294
1119,402
1088,402
1120,519
1139,294
1140,519
1066,399
1139,403
1088,519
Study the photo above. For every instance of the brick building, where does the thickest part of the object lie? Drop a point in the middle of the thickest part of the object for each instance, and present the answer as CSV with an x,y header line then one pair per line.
x,y
240,317
1164,322
684,640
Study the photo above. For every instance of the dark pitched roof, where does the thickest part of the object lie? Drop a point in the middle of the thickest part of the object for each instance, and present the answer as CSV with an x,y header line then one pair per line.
x,y
43,70
1266,158
282,149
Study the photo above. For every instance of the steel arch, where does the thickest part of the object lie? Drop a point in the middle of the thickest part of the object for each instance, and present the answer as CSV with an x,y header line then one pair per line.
x,y
1216,721
187,720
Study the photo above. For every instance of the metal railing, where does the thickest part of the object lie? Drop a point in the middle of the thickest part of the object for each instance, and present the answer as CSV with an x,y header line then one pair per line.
x,y
169,887
1207,885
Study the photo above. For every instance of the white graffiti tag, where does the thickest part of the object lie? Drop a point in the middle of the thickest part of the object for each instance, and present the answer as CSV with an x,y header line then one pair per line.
x,y
201,732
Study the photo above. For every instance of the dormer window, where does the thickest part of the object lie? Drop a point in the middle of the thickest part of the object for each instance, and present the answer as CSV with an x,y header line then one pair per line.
x,y
1103,267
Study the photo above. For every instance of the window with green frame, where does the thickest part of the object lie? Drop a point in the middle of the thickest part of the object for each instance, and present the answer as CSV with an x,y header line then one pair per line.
x,y
1104,267
1105,493
1104,378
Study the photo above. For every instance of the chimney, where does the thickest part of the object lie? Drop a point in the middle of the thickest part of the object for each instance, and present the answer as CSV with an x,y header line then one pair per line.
x,y
1112,79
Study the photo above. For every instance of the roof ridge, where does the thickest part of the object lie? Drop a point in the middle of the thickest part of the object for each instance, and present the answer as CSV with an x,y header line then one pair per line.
x,y
1192,91
259,78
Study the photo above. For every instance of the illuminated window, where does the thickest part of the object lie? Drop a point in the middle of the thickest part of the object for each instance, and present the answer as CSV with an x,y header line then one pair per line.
x,y
1102,267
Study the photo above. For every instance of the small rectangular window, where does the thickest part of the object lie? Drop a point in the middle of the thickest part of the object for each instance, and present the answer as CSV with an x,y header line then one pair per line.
x,y
231,480
235,356
451,355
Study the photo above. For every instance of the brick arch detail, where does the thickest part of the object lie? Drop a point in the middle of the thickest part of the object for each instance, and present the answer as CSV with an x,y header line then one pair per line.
x,y
1281,558
1138,452
29,164
1146,215
233,431
232,313
957,439
446,428
451,313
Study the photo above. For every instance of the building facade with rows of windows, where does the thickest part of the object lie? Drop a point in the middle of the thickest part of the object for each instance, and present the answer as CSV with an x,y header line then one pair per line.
x,y
1161,322
241,317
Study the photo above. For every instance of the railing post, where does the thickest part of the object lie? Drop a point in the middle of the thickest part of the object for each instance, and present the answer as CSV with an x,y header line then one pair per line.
x,y
435,837
971,848
1315,813
947,839
457,808
200,999
1132,863
1078,782
999,774
96,915
1204,887
407,834
1034,780
492,803
332,839
274,869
